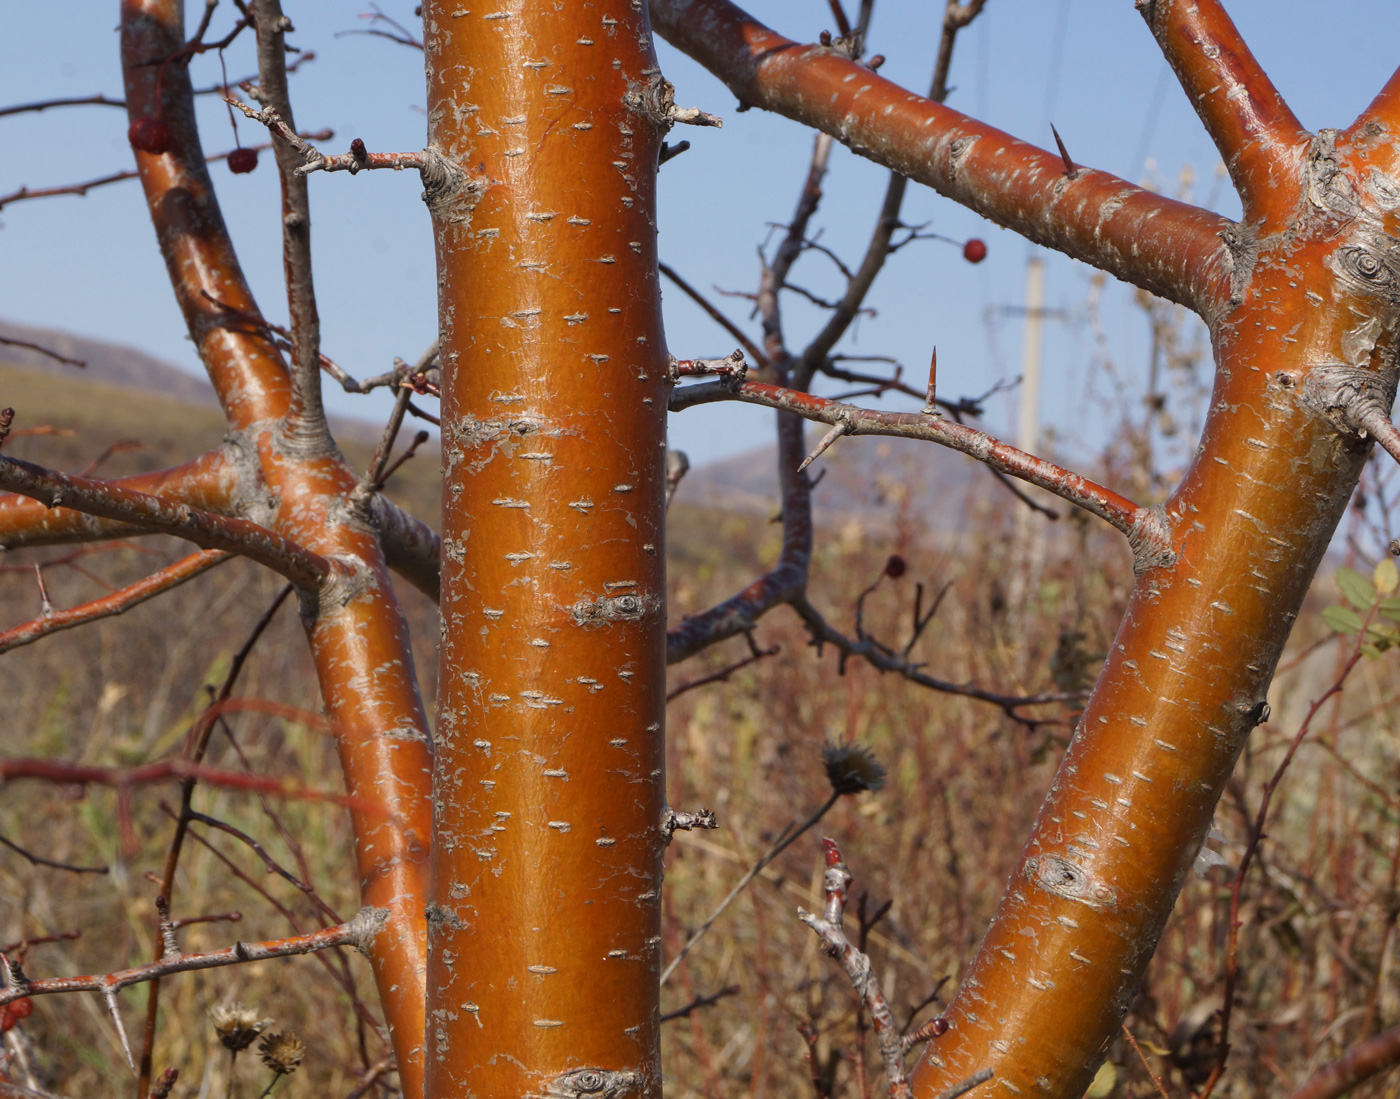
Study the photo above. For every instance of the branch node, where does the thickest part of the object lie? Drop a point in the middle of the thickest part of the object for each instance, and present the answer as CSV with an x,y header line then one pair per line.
x,y
673,822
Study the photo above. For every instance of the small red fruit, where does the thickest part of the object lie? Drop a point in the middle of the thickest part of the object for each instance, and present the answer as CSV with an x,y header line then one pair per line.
x,y
242,161
151,135
975,250
12,1013
896,566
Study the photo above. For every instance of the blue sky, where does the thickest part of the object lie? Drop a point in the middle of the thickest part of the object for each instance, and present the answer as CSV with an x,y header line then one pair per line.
x,y
90,264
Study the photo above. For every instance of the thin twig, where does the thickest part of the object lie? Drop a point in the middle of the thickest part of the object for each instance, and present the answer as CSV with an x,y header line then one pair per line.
x,y
39,860
785,840
698,1003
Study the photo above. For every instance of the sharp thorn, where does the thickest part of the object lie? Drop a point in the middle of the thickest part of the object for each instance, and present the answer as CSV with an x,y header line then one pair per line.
x,y
830,437
1070,170
110,996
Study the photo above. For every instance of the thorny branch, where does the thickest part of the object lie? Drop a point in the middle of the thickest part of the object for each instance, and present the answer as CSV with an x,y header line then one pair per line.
x,y
118,602
1117,511
355,933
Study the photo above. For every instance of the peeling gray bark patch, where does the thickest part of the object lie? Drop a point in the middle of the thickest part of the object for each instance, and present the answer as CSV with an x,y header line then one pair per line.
x,y
439,917
1063,878
594,1083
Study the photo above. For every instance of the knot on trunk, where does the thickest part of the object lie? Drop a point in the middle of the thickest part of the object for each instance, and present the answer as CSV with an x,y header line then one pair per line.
x,y
449,193
595,1083
1350,398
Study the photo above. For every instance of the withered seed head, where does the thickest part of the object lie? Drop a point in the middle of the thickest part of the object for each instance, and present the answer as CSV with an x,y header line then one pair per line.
x,y
282,1053
851,768
238,1026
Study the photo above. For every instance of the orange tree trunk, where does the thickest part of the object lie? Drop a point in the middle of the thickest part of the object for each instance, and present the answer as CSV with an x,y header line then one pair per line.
x,y
546,854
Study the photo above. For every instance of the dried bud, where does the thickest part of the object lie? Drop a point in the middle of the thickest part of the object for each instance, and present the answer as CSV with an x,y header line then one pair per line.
x,y
851,768
162,1088
238,1026
975,250
825,38
151,135
242,161
896,566
358,150
875,62
282,1053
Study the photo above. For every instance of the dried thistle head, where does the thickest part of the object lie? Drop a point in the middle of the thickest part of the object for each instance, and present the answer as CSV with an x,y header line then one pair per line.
x,y
238,1026
282,1053
851,768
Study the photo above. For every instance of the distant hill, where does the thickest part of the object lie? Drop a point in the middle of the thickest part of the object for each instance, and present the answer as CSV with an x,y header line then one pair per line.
x,y
116,364
106,362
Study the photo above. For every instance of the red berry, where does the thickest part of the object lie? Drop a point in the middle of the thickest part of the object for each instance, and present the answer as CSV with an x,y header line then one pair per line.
x,y
896,566
10,1014
242,161
151,135
975,250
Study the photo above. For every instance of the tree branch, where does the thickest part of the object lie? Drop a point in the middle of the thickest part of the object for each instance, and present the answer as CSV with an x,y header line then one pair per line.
x,y
354,933
1251,125
205,483
856,963
1363,1061
306,417
1117,511
110,501
1166,247
783,583
117,603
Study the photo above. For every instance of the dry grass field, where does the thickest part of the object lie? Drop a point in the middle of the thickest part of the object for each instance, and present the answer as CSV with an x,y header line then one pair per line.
x,y
1316,948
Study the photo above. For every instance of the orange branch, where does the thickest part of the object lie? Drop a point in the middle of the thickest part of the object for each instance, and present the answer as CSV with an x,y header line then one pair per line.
x,y
1166,247
1260,140
205,483
117,603
110,501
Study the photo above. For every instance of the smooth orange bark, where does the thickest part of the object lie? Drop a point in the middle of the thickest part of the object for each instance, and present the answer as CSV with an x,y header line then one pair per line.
x,y
547,846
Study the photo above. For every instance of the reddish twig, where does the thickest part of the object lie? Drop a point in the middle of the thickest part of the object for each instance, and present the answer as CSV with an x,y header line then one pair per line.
x,y
1359,1064
118,602
1251,850
313,160
11,342
856,963
355,933
123,779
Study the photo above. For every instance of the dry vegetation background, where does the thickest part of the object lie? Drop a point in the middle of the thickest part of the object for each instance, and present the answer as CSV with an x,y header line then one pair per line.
x,y
964,780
